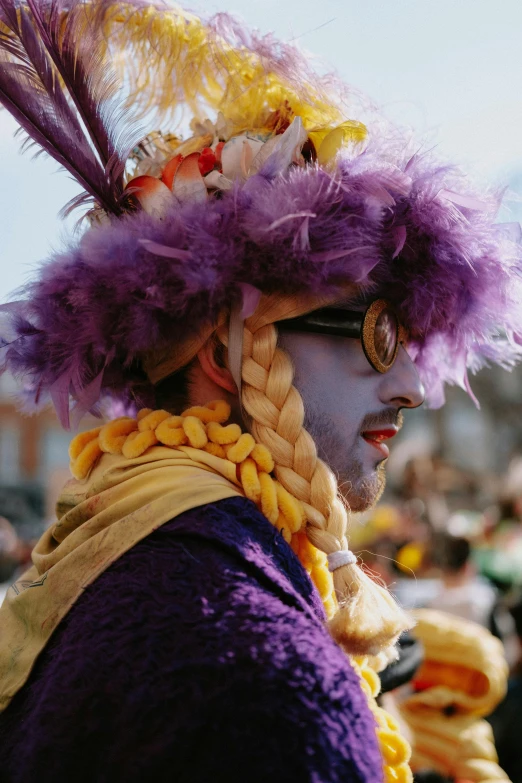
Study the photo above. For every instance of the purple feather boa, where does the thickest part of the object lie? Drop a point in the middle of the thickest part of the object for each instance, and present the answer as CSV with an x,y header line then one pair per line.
x,y
408,230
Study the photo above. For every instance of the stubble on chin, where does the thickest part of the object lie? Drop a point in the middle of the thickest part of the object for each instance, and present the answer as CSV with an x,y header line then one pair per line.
x,y
360,490
363,492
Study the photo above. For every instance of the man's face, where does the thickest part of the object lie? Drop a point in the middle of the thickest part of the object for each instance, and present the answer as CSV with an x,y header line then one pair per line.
x,y
351,410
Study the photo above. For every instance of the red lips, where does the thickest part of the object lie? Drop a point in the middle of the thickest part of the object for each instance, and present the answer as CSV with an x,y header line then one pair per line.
x,y
377,437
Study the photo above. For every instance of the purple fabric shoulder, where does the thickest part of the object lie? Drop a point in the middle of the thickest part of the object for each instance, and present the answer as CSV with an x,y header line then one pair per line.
x,y
201,655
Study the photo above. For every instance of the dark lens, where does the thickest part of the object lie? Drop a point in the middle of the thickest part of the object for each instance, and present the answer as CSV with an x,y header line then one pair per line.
x,y
385,338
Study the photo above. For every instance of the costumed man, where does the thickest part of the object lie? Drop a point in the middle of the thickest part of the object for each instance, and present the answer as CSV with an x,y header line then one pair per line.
x,y
196,613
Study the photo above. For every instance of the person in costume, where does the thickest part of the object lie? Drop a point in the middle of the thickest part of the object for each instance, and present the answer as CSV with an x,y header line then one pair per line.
x,y
462,679
258,297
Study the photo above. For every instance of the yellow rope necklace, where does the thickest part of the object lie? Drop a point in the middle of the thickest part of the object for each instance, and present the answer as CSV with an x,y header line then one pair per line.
x,y
204,427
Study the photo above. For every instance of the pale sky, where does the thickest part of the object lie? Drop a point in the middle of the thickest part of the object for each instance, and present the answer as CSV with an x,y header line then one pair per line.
x,y
451,69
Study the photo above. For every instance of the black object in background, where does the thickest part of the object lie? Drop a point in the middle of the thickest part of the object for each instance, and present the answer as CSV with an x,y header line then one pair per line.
x,y
401,671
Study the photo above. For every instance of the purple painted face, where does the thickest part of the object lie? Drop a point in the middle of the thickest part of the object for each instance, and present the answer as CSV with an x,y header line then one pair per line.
x,y
351,410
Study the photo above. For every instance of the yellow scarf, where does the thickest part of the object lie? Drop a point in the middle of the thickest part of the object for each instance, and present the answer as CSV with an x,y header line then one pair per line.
x,y
99,519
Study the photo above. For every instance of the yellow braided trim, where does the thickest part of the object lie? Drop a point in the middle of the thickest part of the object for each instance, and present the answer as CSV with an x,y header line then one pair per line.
x,y
202,427
395,750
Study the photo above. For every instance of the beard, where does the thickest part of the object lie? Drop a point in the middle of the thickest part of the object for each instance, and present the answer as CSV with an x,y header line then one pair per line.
x,y
359,491
360,488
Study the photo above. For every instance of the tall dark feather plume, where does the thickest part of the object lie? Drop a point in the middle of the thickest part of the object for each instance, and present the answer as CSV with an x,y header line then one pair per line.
x,y
56,83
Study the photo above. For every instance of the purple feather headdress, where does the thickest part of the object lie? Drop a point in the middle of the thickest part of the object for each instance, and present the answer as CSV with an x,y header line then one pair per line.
x,y
285,204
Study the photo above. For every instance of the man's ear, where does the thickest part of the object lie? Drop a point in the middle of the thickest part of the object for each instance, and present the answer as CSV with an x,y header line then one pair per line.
x,y
219,375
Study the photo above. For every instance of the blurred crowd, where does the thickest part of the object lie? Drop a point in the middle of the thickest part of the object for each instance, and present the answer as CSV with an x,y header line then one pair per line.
x,y
451,540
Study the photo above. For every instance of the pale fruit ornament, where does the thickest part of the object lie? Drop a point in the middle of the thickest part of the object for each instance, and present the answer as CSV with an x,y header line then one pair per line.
x,y
152,194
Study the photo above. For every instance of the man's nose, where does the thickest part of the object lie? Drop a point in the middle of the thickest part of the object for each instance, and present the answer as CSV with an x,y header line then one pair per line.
x,y
401,385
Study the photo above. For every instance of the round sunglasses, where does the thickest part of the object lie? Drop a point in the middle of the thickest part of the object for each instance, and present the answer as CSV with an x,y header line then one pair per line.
x,y
378,327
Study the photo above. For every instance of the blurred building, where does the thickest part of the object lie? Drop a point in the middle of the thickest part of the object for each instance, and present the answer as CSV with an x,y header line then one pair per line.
x,y
474,439
33,458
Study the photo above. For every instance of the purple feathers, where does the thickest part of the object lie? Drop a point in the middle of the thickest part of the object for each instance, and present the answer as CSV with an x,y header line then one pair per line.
x,y
456,281
55,81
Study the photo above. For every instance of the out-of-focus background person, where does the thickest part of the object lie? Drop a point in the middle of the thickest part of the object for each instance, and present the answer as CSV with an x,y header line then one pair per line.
x,y
462,591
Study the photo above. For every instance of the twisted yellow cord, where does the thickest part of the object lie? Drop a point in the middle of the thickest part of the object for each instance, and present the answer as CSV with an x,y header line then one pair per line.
x,y
204,427
395,749
201,428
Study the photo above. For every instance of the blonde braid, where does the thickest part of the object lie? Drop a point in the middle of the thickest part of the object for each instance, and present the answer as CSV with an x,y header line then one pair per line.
x,y
368,619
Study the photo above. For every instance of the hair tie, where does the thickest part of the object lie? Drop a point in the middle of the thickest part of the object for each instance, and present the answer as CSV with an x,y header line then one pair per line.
x,y
340,558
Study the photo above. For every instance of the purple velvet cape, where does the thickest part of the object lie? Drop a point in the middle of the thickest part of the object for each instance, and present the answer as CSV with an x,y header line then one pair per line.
x,y
200,655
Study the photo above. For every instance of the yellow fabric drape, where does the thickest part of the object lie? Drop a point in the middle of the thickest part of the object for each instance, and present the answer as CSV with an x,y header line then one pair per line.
x,y
100,518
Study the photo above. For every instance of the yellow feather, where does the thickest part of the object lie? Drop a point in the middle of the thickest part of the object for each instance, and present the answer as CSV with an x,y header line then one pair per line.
x,y
170,58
